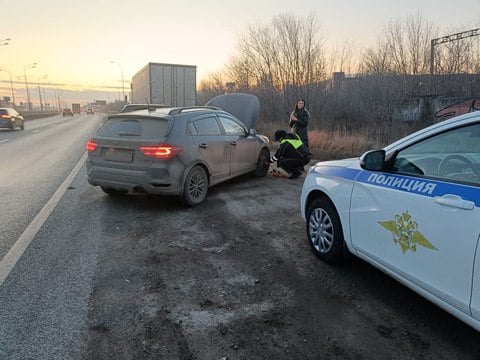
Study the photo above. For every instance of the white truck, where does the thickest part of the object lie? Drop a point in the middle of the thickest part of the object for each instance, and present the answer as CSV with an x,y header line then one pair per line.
x,y
169,84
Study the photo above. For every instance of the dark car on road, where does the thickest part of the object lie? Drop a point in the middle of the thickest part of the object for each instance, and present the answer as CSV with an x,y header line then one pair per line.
x,y
90,111
67,112
178,151
11,119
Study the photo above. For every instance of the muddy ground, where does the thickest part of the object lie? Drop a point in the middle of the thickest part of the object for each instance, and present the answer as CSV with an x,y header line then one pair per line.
x,y
234,278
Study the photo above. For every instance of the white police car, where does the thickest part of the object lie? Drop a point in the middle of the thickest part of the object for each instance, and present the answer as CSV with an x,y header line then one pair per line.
x,y
411,209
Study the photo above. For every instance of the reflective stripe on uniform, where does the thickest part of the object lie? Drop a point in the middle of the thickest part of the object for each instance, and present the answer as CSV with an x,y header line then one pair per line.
x,y
295,143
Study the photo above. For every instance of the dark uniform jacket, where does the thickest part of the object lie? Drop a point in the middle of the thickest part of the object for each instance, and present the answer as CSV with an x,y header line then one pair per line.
x,y
291,147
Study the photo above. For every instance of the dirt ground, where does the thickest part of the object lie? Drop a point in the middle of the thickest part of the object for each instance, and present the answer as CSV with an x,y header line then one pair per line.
x,y
234,278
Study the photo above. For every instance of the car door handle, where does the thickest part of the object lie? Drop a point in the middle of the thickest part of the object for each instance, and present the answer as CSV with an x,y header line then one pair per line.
x,y
454,201
233,143
203,146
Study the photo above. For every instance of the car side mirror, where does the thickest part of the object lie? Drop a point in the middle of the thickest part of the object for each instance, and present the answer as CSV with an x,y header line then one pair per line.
x,y
373,160
252,132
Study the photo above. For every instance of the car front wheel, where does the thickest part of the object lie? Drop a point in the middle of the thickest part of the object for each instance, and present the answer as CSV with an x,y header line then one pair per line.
x,y
195,187
324,231
262,164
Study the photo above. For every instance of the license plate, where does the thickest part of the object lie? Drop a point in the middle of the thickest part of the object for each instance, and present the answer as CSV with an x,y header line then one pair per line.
x,y
121,155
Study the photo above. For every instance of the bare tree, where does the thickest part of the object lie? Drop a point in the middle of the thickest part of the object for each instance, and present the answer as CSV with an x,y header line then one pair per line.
x,y
214,85
403,48
376,61
280,61
460,56
343,59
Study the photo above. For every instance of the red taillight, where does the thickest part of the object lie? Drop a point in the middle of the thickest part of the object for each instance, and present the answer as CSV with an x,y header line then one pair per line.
x,y
91,146
160,151
6,116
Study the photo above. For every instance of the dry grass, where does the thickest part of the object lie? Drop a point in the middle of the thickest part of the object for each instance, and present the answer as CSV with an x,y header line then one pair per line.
x,y
329,145
338,145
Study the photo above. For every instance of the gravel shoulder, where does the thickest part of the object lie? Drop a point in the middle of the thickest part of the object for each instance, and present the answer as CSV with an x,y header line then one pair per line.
x,y
234,278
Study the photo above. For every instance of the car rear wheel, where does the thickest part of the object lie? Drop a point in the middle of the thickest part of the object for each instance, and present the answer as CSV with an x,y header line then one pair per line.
x,y
262,164
196,186
113,192
324,231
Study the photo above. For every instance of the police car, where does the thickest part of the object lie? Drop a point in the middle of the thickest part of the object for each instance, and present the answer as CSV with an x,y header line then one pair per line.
x,y
411,209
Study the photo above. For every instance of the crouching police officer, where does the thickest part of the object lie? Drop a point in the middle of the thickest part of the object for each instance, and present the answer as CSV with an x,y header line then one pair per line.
x,y
292,155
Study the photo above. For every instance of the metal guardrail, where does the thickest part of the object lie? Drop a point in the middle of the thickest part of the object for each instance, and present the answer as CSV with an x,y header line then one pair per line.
x,y
30,115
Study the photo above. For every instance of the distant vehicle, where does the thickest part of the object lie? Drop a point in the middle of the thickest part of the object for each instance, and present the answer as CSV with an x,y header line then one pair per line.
x,y
159,83
178,151
90,111
11,119
410,209
67,112
133,107
76,108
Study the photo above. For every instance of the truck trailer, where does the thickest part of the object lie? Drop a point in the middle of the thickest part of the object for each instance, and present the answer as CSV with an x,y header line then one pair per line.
x,y
76,108
169,84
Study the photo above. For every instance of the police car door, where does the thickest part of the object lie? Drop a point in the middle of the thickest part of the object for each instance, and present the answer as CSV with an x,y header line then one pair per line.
x,y
421,220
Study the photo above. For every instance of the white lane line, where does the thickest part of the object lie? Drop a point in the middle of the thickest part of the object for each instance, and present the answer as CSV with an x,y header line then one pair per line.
x,y
2,141
36,130
10,259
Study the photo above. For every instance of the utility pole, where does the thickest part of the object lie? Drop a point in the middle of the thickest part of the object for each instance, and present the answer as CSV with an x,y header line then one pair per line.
x,y
11,84
40,93
30,66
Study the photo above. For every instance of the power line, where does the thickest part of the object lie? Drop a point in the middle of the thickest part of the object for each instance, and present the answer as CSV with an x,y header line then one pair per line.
x,y
448,38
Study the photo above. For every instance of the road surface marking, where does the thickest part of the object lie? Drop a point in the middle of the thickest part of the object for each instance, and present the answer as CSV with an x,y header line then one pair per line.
x,y
16,251
36,130
2,141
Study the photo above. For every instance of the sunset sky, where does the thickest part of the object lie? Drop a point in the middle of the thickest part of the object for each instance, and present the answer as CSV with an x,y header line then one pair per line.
x,y
75,42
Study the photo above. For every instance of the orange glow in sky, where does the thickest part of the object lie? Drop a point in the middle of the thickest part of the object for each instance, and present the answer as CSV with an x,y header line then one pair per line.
x,y
74,43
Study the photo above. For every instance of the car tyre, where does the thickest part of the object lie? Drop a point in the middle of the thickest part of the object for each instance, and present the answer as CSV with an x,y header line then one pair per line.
x,y
113,192
23,126
262,164
324,231
196,186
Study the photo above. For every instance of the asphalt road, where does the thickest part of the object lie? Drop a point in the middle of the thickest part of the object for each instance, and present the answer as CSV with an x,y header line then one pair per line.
x,y
146,278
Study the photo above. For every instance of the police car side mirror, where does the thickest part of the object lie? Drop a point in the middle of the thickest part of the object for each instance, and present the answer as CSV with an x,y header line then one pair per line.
x,y
373,160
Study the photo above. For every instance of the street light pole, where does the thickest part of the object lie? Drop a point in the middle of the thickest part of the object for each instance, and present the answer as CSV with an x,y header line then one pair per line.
x,y
40,93
31,66
123,84
4,43
11,84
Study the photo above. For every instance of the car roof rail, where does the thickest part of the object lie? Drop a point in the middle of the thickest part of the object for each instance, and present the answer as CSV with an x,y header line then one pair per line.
x,y
179,110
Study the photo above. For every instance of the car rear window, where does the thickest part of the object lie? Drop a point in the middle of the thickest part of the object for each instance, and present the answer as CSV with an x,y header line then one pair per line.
x,y
3,112
135,127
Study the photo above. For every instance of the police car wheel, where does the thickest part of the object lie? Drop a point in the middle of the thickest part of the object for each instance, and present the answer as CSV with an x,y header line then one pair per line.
x,y
324,231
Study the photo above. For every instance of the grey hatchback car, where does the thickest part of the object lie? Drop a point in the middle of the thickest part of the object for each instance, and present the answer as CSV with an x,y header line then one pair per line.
x,y
178,151
11,119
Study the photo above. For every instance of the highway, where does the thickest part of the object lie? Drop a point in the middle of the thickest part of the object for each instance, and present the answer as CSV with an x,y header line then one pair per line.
x,y
84,276
34,163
